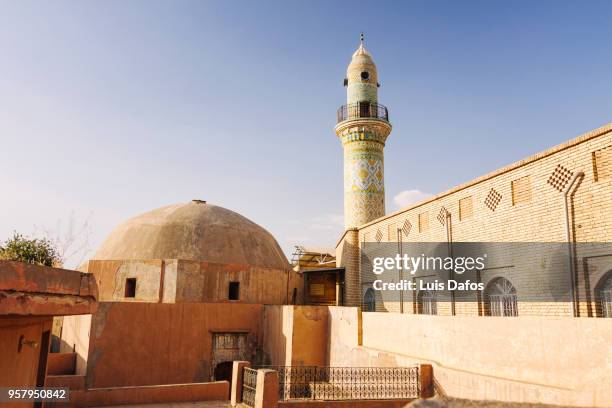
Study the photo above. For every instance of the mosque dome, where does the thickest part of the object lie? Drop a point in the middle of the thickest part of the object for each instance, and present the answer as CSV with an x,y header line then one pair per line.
x,y
193,231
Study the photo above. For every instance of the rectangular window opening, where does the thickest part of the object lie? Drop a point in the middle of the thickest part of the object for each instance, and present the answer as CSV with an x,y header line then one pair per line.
x,y
521,190
423,222
602,164
130,288
234,291
466,208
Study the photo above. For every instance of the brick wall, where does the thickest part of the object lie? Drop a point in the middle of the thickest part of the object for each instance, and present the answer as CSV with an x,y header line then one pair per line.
x,y
522,202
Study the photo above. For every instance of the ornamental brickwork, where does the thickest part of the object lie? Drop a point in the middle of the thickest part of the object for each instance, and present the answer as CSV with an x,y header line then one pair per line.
x,y
522,202
363,129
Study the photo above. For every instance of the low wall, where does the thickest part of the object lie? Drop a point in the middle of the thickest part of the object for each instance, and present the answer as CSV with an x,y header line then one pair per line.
x,y
397,403
564,361
277,335
61,363
74,382
295,335
153,394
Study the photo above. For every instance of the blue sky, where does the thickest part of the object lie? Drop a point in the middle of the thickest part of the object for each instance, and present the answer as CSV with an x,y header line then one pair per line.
x,y
112,108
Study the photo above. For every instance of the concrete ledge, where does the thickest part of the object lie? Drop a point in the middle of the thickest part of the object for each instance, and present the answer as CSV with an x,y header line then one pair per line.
x,y
395,403
150,394
31,290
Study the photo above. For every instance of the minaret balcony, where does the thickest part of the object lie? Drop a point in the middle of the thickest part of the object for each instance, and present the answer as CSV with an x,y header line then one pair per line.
x,y
361,110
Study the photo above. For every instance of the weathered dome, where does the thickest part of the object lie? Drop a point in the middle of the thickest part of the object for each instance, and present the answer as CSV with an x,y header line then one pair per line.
x,y
193,231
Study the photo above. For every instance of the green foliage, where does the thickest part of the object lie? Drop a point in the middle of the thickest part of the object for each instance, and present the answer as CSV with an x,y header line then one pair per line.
x,y
35,251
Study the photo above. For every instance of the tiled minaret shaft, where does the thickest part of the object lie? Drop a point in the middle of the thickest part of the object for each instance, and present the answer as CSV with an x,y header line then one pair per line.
x,y
363,127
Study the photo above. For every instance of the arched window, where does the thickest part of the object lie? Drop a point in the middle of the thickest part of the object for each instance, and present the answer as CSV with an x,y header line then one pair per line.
x,y
603,295
369,301
500,298
427,302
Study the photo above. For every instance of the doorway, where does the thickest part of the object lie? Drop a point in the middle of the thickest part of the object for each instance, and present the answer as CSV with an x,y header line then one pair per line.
x,y
227,348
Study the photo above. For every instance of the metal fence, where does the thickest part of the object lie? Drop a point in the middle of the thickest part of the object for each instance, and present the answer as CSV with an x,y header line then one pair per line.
x,y
249,384
347,383
362,110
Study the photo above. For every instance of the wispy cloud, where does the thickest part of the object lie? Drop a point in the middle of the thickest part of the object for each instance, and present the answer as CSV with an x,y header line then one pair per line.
x,y
327,222
408,197
318,231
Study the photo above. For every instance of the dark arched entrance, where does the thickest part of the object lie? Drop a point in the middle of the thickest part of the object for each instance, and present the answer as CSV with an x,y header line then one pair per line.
x,y
223,372
369,301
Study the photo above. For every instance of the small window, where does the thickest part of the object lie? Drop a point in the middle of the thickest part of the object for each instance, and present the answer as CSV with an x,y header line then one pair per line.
x,y
234,291
602,164
423,222
365,75
130,288
466,208
392,233
521,190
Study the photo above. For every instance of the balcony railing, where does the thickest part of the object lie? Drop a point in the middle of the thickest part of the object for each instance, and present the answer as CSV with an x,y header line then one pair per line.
x,y
363,110
347,383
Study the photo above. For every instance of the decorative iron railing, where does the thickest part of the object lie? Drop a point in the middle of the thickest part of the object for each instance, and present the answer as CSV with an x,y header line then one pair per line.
x,y
249,384
347,383
363,110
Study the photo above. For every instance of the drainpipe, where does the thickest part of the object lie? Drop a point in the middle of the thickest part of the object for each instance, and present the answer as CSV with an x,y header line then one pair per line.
x,y
449,241
401,269
568,238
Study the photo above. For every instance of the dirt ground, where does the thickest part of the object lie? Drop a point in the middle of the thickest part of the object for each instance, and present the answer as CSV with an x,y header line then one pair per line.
x,y
461,403
203,404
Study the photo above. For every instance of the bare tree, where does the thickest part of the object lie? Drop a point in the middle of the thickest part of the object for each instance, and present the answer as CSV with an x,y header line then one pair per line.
x,y
71,238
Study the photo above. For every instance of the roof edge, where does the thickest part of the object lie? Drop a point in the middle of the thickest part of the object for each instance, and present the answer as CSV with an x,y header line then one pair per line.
x,y
530,159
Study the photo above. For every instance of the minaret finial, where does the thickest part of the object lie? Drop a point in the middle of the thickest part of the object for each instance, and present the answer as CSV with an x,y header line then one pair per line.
x,y
362,38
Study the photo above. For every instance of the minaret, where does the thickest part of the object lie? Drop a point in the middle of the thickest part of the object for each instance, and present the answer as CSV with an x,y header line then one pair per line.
x,y
363,127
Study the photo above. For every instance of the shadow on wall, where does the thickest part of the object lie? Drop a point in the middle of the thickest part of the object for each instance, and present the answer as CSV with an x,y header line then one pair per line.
x,y
278,326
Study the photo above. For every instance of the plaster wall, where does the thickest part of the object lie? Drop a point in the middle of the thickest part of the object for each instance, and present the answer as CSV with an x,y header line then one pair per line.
x,y
18,367
139,396
295,335
176,280
209,282
136,344
526,359
278,335
310,336
75,338
111,276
